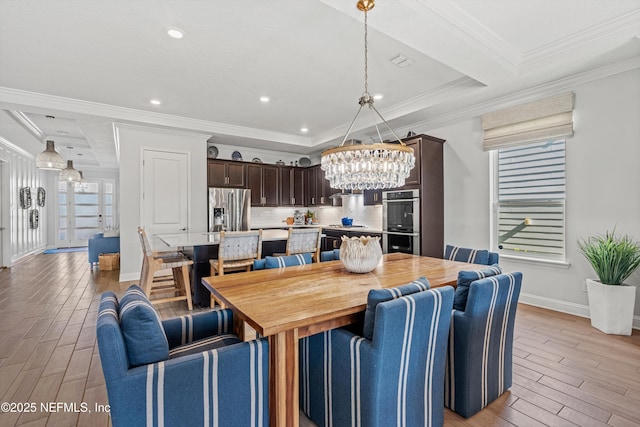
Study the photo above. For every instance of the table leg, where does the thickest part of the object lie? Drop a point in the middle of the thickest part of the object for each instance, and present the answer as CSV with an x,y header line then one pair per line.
x,y
283,379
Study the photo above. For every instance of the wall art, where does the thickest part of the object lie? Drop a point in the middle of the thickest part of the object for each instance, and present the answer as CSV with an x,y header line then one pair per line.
x,y
25,197
33,219
41,196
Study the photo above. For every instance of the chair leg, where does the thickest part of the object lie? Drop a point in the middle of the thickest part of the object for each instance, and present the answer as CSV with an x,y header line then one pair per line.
x,y
186,285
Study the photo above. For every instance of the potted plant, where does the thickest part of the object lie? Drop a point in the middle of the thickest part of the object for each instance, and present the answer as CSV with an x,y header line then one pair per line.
x,y
611,301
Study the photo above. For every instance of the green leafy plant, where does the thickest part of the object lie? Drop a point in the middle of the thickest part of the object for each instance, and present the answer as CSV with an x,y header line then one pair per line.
x,y
613,258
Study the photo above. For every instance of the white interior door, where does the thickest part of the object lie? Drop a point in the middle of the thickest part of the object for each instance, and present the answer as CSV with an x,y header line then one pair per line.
x,y
165,192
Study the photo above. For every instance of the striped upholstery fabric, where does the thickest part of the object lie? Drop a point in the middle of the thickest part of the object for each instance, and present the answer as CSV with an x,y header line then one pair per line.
x,y
376,296
465,278
227,386
395,379
480,352
204,344
475,256
282,261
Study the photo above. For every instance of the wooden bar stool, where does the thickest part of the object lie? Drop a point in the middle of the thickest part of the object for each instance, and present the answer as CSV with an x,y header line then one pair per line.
x,y
236,252
177,283
303,241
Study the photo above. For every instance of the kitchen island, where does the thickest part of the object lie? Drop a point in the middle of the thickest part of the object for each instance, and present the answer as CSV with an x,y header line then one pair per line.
x,y
201,247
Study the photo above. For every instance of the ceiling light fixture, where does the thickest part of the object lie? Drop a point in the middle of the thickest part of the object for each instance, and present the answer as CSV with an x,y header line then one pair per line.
x,y
155,102
378,96
175,33
304,130
50,159
70,174
264,99
371,166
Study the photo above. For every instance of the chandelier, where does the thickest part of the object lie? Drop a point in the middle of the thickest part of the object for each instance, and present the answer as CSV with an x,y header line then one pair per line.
x,y
70,174
50,159
367,166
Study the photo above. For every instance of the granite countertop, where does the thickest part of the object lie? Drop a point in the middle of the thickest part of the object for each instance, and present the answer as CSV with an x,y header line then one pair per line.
x,y
323,226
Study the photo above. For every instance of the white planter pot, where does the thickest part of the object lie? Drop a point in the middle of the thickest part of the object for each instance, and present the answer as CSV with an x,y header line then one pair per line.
x,y
611,307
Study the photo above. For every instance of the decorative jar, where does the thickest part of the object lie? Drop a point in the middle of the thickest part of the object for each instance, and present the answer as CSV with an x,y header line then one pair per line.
x,y
360,254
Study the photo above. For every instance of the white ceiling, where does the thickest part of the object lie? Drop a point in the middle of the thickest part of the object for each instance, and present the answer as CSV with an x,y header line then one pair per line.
x,y
89,63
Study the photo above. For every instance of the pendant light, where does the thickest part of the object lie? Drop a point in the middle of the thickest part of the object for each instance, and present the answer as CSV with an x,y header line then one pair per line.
x,y
70,174
371,166
50,159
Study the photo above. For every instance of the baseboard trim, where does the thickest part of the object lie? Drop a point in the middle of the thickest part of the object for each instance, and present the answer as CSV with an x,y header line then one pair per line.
x,y
128,277
564,307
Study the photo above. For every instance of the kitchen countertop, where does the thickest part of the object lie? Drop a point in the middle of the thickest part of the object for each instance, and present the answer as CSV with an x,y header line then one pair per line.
x,y
165,242
323,226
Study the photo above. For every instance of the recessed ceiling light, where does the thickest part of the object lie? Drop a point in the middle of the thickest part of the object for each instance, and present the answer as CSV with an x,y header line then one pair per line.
x,y
69,147
304,130
62,132
378,96
264,99
155,102
174,32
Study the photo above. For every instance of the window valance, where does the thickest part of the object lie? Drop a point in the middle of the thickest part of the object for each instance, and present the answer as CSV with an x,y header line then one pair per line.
x,y
547,118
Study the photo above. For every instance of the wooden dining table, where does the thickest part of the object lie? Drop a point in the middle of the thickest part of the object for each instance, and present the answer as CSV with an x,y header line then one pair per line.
x,y
287,304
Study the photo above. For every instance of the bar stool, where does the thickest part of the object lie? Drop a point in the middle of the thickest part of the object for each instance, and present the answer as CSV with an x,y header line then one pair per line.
x,y
303,241
237,252
153,262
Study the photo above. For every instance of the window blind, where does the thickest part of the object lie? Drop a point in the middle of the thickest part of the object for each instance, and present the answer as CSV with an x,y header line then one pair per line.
x,y
531,196
544,119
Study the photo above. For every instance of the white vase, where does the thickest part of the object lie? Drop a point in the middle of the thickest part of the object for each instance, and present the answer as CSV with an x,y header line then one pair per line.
x,y
360,254
611,307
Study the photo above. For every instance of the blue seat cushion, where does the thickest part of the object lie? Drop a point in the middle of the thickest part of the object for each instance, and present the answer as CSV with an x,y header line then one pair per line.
x,y
475,256
287,261
376,296
142,329
464,281
204,344
336,253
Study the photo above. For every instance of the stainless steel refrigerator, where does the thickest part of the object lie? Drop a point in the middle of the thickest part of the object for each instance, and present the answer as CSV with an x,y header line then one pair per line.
x,y
229,209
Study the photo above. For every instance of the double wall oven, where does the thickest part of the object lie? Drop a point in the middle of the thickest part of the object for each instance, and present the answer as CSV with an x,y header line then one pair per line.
x,y
401,221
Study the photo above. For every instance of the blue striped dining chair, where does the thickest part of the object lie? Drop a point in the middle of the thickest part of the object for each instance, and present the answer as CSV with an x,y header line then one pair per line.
x,y
480,352
475,256
396,378
186,371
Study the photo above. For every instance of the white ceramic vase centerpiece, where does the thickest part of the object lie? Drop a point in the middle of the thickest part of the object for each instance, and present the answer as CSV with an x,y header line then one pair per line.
x,y
611,301
360,254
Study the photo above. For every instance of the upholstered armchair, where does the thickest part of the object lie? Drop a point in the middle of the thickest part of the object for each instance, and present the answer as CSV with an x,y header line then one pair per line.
x,y
99,244
395,377
480,352
475,256
188,370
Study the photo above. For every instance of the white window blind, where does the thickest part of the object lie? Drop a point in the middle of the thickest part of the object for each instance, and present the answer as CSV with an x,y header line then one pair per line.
x,y
531,200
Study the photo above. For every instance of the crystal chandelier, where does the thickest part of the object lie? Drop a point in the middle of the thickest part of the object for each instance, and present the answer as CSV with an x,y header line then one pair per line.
x,y
70,174
50,159
371,166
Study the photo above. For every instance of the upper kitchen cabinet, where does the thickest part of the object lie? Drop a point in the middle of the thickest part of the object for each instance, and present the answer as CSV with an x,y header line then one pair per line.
x,y
318,190
428,151
292,186
222,173
372,197
264,183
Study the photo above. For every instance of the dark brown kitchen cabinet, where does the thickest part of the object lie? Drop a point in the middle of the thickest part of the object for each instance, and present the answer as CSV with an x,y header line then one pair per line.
x,y
413,180
372,197
333,238
318,190
264,183
292,186
222,173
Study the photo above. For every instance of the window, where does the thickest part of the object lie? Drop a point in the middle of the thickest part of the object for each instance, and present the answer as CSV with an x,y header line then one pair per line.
x,y
530,200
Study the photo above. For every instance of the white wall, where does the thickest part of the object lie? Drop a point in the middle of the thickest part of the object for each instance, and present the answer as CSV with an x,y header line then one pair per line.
x,y
603,182
19,170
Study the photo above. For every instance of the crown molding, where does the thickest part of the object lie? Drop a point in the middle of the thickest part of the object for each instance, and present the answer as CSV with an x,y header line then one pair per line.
x,y
26,123
622,28
457,21
17,149
19,97
479,103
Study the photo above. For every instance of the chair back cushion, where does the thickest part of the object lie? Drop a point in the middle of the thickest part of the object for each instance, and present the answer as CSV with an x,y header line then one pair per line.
x,y
474,256
376,296
287,261
464,281
142,329
113,350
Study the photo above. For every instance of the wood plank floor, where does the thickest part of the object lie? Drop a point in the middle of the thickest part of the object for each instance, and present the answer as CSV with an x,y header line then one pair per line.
x,y
565,372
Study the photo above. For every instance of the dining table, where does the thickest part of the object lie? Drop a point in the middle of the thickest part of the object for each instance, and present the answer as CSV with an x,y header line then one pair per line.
x,y
287,304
